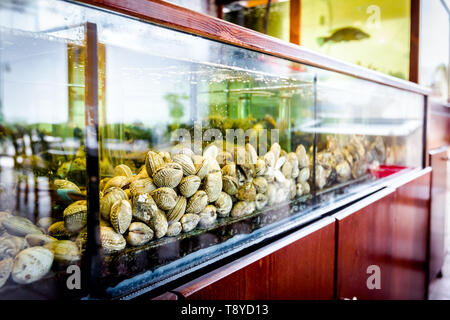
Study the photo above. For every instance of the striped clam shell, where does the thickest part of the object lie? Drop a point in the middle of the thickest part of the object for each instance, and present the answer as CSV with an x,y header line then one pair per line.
x,y
242,208
38,239
229,169
165,198
213,185
65,184
165,156
75,216
59,231
109,198
230,185
224,157
153,162
6,267
144,207
189,185
174,229
139,234
302,157
186,164
201,165
197,202
159,224
260,184
168,175
121,215
117,182
178,211
247,192
223,204
141,186
64,251
19,226
111,240
31,265
123,170
260,167
189,221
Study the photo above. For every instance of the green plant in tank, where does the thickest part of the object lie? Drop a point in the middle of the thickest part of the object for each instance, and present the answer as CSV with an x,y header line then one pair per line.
x,y
175,106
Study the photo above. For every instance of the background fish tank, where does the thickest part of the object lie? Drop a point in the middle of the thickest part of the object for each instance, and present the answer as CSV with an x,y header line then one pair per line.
x,y
167,192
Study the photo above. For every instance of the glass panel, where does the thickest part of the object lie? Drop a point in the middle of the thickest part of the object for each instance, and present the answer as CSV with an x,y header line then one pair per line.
x,y
42,161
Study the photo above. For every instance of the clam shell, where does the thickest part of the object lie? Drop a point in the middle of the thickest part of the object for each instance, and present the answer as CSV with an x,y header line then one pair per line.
x,y
19,226
242,208
229,169
260,201
64,251
271,194
208,216
269,159
144,207
276,150
65,184
75,216
6,267
34,240
303,160
189,185
59,231
31,265
213,185
121,215
165,156
213,166
292,189
81,240
230,185
247,192
142,173
260,184
153,162
250,154
201,165
321,177
165,198
178,211
138,234
144,185
306,188
10,246
111,240
189,221
211,151
260,167
159,224
186,164
182,149
343,171
223,204
123,170
168,175
224,157
197,202
174,229
109,198
304,174
117,182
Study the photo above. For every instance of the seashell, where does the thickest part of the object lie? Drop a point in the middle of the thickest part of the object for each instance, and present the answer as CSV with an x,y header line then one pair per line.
x,y
224,157
292,189
65,184
144,207
158,223
75,216
189,185
59,231
247,192
181,149
260,201
242,208
208,216
302,157
19,226
168,175
260,184
271,194
279,163
81,239
186,164
109,198
279,177
153,162
165,198
111,240
276,150
142,173
34,240
144,185
121,215
359,168
213,185
239,155
223,204
245,172
178,211
305,188
174,229
197,202
299,190
321,177
260,167
230,185
189,221
64,251
211,151
201,165
343,171
10,246
251,156
6,267
269,159
269,175
213,166
165,156
229,169
31,265
286,169
103,182
303,175
117,182
138,234
123,170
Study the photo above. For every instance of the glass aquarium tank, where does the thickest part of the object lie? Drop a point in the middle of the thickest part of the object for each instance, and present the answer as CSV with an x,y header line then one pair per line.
x,y
134,154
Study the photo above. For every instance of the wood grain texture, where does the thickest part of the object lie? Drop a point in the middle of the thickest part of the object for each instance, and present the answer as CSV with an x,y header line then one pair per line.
x,y
172,16
414,41
304,269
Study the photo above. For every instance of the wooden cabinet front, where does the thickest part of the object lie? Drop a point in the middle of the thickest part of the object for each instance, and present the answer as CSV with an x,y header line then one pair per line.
x,y
300,266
